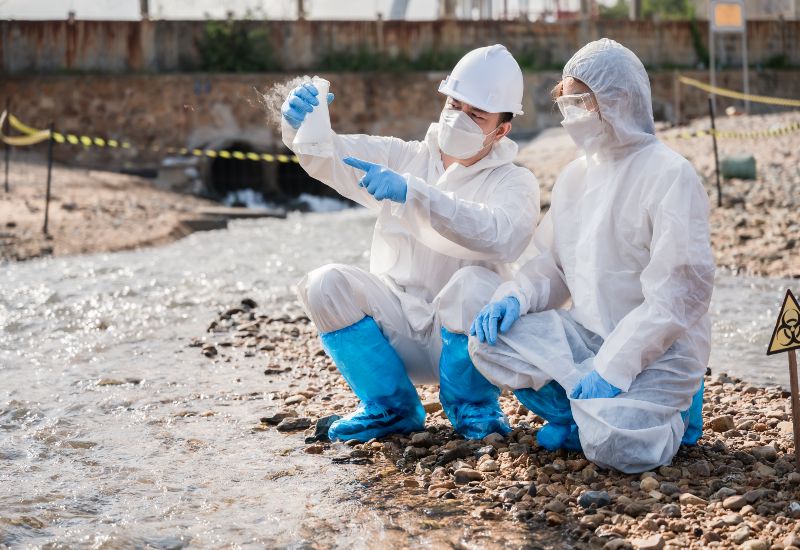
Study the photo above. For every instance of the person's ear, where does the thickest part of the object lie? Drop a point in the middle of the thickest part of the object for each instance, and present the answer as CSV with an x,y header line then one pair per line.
x,y
503,131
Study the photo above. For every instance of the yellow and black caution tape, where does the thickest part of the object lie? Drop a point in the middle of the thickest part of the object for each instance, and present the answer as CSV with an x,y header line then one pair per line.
x,y
33,136
754,134
724,92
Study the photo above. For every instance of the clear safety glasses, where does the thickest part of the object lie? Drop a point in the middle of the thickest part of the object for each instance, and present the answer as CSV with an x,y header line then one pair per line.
x,y
585,101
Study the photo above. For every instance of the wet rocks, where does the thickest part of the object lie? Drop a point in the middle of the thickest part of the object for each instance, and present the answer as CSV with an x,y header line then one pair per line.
x,y
293,424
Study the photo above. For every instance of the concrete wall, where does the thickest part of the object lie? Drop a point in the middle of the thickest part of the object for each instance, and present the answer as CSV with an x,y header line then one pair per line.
x,y
215,110
170,46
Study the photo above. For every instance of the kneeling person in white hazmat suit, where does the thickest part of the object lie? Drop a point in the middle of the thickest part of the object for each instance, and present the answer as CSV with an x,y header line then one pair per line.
x,y
618,375
453,202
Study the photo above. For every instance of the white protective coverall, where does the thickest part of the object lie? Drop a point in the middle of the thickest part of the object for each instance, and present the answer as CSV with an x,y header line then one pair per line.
x,y
482,215
627,239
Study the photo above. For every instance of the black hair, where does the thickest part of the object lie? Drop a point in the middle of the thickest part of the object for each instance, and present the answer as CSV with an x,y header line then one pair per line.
x,y
506,117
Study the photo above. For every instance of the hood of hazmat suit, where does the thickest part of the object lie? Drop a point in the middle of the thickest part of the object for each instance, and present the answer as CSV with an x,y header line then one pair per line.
x,y
627,240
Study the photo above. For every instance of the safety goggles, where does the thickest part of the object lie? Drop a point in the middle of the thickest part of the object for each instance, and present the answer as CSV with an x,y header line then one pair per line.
x,y
585,101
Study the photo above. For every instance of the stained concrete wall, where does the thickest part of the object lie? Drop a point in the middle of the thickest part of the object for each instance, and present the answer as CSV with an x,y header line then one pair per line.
x,y
198,110
170,46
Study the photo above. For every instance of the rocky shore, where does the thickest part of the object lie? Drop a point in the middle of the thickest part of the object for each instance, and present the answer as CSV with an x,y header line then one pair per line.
x,y
756,231
737,489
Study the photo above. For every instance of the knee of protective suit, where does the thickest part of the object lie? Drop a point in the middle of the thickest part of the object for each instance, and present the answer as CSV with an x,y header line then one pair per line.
x,y
468,290
327,297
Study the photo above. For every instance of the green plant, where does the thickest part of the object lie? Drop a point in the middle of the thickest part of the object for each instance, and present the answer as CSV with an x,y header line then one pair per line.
x,y
231,47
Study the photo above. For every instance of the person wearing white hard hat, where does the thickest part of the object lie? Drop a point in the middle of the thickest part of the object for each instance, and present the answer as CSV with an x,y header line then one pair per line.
x,y
618,375
453,213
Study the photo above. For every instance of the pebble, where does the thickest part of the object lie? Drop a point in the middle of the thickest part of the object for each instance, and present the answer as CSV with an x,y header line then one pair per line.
x,y
486,450
292,424
495,440
655,542
669,489
489,466
735,502
649,484
689,498
767,453
596,499
671,510
555,505
722,423
422,439
465,475
295,400
277,417
701,468
756,544
741,534
314,449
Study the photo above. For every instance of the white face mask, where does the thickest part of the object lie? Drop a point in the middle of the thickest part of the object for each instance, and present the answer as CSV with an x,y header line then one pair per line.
x,y
584,127
460,136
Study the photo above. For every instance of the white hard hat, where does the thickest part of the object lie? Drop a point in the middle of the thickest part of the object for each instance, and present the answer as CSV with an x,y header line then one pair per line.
x,y
488,78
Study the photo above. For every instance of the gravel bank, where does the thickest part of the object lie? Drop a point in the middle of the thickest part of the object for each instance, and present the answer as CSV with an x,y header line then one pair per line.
x,y
737,489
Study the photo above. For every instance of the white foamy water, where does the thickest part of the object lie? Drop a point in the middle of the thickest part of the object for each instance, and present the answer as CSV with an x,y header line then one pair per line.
x,y
138,463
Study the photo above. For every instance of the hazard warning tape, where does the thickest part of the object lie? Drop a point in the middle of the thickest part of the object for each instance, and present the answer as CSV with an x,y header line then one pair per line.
x,y
724,92
33,136
753,134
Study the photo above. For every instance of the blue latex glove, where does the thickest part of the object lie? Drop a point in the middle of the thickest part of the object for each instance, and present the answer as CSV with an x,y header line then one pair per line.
x,y
381,182
299,103
504,313
593,386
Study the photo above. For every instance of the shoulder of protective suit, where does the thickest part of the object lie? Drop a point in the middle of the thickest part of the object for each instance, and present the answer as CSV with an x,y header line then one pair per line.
x,y
515,173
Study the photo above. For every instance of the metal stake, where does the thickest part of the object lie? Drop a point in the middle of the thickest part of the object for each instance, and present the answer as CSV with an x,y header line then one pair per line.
x,y
49,172
716,154
795,387
7,146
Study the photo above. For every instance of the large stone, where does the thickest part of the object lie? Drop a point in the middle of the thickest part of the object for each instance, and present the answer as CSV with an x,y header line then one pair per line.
x,y
689,498
594,499
649,484
740,535
656,542
755,544
294,424
735,502
421,439
701,468
722,423
465,475
767,453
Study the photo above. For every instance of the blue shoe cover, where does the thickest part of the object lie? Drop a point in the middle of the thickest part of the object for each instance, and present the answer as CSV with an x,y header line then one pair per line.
x,y
372,421
554,436
376,374
468,399
694,430
550,402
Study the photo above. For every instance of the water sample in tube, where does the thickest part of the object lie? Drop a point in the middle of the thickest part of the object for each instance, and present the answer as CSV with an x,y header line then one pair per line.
x,y
314,135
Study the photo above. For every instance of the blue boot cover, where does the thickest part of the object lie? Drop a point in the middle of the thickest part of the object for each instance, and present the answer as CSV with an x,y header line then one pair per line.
x,y
554,436
695,413
551,403
376,374
469,400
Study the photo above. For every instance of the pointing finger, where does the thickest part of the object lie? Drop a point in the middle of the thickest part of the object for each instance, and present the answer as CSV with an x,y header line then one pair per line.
x,y
358,163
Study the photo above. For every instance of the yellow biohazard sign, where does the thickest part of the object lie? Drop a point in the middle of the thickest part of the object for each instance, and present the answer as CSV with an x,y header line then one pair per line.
x,y
786,336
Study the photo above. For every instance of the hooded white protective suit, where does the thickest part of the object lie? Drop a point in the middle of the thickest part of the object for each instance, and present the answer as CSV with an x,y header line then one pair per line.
x,y
627,239
482,215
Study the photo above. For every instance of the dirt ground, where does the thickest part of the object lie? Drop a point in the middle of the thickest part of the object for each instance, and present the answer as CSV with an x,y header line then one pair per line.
x,y
90,211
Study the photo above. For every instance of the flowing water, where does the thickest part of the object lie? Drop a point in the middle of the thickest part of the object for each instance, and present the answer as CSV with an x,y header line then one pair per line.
x,y
114,434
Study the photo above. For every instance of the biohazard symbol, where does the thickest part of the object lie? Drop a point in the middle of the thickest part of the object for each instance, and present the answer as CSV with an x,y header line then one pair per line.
x,y
786,335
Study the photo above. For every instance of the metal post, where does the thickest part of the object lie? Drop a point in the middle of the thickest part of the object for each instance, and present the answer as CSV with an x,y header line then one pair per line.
x,y
676,96
49,172
795,387
716,155
6,145
712,57
745,68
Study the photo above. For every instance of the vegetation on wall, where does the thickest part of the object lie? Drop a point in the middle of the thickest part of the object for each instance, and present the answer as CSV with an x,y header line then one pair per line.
x,y
235,47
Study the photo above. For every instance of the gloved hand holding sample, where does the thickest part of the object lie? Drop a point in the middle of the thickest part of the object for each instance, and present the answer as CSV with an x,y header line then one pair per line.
x,y
300,102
